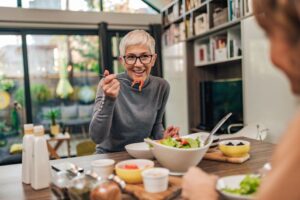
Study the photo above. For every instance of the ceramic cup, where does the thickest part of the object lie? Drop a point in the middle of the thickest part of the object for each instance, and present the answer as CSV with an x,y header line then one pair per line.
x,y
103,167
155,179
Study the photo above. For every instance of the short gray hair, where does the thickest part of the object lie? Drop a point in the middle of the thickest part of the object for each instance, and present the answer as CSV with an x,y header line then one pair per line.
x,y
137,37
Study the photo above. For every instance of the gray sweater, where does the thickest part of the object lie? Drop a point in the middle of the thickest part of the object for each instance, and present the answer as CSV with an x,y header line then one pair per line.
x,y
131,117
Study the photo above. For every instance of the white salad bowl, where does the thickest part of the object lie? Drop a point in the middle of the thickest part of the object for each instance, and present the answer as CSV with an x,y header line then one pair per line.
x,y
178,160
139,150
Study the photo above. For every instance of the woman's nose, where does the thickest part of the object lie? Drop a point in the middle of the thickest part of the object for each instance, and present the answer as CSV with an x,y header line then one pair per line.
x,y
138,62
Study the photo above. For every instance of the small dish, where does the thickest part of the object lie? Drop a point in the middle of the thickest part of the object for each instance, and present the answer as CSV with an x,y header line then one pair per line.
x,y
234,148
139,150
232,182
131,170
103,167
155,179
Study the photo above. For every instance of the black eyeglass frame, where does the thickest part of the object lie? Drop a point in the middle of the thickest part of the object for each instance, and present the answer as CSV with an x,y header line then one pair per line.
x,y
138,57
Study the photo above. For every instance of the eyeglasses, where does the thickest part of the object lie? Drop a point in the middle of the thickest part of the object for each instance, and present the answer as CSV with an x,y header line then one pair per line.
x,y
131,59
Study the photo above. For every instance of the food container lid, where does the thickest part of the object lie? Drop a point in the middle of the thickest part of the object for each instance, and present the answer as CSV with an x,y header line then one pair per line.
x,y
28,128
38,130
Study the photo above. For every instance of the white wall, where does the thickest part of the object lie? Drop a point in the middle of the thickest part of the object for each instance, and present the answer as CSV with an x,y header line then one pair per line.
x,y
267,95
175,72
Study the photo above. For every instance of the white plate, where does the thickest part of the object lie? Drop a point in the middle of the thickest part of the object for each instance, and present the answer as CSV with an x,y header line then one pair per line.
x,y
232,182
139,150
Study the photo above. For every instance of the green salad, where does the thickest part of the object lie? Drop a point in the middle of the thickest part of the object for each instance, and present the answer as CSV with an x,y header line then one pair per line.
x,y
248,186
185,143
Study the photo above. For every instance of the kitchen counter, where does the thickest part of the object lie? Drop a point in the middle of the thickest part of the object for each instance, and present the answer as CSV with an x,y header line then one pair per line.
x,y
13,189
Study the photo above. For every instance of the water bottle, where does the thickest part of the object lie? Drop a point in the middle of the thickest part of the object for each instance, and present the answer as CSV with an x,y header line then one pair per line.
x,y
27,153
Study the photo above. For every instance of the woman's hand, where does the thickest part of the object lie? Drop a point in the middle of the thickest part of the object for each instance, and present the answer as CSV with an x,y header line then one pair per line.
x,y
198,185
110,85
171,131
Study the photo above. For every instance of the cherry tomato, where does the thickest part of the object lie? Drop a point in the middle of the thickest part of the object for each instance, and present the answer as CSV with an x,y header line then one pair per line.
x,y
131,166
183,142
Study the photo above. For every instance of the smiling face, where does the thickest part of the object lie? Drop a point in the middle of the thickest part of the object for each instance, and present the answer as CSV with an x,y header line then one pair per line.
x,y
138,70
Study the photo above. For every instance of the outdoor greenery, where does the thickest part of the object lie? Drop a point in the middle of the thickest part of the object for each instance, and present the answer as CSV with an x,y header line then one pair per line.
x,y
40,93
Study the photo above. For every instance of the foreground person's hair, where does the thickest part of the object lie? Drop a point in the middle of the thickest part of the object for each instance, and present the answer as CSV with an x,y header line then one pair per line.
x,y
284,14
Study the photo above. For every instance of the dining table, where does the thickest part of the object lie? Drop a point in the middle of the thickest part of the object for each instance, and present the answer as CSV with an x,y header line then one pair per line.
x,y
12,188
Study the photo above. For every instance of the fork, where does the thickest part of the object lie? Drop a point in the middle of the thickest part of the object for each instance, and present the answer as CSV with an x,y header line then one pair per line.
x,y
118,78
264,170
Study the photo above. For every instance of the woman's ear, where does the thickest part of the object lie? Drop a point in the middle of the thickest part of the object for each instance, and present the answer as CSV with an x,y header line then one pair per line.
x,y
153,59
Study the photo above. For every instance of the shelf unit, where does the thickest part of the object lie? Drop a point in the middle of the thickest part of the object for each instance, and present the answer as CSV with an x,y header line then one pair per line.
x,y
211,31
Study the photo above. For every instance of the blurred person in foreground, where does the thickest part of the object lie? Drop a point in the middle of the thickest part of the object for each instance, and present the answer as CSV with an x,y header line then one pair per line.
x,y
281,21
130,106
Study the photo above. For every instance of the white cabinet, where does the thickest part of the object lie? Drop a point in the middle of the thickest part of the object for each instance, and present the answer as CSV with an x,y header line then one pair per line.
x,y
175,72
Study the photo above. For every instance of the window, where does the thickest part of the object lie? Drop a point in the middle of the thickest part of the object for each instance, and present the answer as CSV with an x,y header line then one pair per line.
x,y
8,3
64,77
74,5
129,6
12,111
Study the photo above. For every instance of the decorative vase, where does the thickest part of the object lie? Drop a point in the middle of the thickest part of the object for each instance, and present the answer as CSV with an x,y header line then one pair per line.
x,y
54,129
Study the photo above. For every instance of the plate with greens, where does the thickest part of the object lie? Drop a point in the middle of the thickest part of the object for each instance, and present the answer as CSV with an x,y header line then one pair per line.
x,y
239,187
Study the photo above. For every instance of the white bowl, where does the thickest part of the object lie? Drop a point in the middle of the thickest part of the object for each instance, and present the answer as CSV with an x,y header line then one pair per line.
x,y
139,150
155,179
103,167
179,160
232,182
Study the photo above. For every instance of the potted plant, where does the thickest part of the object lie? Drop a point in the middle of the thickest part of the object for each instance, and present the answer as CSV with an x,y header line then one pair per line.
x,y
52,115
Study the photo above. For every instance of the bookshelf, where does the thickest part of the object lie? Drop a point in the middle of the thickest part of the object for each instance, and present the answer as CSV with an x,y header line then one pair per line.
x,y
211,32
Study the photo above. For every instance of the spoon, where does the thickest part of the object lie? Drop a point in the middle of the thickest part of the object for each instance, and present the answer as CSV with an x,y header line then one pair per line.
x,y
219,124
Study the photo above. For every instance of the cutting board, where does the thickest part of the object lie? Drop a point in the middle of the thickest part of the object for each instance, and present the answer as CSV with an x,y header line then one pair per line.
x,y
139,192
217,155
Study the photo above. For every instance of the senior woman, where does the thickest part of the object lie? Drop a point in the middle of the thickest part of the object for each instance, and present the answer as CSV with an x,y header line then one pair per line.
x,y
130,106
281,21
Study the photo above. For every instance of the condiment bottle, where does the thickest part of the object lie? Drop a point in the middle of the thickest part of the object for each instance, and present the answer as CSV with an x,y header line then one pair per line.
x,y
27,153
40,177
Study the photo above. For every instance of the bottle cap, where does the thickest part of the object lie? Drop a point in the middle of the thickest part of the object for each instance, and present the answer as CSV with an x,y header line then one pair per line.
x,y
38,130
28,128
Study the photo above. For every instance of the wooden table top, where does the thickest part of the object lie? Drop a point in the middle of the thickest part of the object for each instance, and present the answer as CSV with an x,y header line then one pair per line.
x,y
11,175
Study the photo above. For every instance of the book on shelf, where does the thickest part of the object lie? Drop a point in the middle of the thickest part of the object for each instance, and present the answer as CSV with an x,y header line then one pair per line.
x,y
188,5
235,9
182,35
176,10
234,48
174,34
189,27
220,16
248,8
219,48
234,42
201,54
201,23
